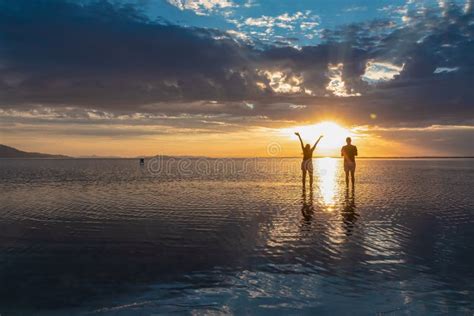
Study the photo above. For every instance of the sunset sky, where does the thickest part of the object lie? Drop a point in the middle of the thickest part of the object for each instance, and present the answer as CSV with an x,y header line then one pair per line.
x,y
237,77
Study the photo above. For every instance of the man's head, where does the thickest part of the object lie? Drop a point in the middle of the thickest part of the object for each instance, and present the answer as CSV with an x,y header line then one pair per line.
x,y
348,140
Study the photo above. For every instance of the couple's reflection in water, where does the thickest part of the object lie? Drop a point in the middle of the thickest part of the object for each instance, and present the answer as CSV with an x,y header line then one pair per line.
x,y
348,210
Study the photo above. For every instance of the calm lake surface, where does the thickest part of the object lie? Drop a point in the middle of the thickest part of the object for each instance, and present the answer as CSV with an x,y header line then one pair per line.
x,y
111,237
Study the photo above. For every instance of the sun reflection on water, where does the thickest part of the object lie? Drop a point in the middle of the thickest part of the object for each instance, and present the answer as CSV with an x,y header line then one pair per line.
x,y
325,173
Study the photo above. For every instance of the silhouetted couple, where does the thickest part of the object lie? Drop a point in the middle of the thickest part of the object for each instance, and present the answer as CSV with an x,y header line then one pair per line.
x,y
348,151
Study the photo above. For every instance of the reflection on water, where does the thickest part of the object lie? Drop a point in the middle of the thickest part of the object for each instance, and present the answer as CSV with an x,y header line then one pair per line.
x,y
349,214
105,237
307,208
325,173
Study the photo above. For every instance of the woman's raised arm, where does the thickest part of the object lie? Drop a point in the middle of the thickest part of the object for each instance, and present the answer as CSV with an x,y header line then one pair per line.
x,y
315,144
301,141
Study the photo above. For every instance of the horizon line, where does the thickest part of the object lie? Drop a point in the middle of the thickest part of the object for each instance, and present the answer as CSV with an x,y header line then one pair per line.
x,y
240,157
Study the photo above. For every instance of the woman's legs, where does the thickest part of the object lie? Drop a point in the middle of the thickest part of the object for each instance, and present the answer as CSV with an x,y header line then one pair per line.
x,y
304,177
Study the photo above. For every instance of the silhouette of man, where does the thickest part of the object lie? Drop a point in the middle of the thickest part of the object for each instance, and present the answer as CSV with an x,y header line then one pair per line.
x,y
349,152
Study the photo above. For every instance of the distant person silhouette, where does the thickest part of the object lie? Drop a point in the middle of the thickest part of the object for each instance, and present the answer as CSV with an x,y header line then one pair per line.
x,y
307,163
349,152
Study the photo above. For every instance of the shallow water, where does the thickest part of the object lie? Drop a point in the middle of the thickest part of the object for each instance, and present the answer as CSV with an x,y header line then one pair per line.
x,y
220,236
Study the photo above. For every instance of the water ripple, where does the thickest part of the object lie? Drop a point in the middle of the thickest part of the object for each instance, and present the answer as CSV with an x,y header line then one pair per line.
x,y
106,237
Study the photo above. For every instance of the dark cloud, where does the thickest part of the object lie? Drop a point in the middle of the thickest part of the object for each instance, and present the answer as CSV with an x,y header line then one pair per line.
x,y
102,55
444,141
109,57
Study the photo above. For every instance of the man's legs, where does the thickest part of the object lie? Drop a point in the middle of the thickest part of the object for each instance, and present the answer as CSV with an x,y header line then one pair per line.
x,y
352,177
347,178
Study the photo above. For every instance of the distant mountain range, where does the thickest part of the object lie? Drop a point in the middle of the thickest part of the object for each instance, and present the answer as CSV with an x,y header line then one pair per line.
x,y
10,152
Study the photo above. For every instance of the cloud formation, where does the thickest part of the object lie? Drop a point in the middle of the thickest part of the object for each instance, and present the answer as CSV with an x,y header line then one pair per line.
x,y
110,58
292,24
376,71
201,7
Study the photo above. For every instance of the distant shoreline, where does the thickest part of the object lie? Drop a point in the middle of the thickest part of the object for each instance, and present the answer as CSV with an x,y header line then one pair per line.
x,y
7,152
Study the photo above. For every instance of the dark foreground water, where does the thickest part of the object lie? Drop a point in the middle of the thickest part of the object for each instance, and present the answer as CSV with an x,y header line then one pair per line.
x,y
110,237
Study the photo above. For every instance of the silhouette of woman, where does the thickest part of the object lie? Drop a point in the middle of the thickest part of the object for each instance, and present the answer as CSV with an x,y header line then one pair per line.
x,y
307,163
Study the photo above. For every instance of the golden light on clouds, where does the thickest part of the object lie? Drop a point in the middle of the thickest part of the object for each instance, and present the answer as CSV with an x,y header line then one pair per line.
x,y
127,138
281,82
336,84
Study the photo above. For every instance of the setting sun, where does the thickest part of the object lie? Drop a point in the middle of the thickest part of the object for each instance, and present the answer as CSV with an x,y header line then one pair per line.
x,y
334,134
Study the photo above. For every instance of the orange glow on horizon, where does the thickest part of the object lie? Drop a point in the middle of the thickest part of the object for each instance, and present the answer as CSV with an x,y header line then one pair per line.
x,y
248,142
334,135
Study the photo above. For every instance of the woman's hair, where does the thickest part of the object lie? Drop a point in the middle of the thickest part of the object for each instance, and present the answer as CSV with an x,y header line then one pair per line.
x,y
306,148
